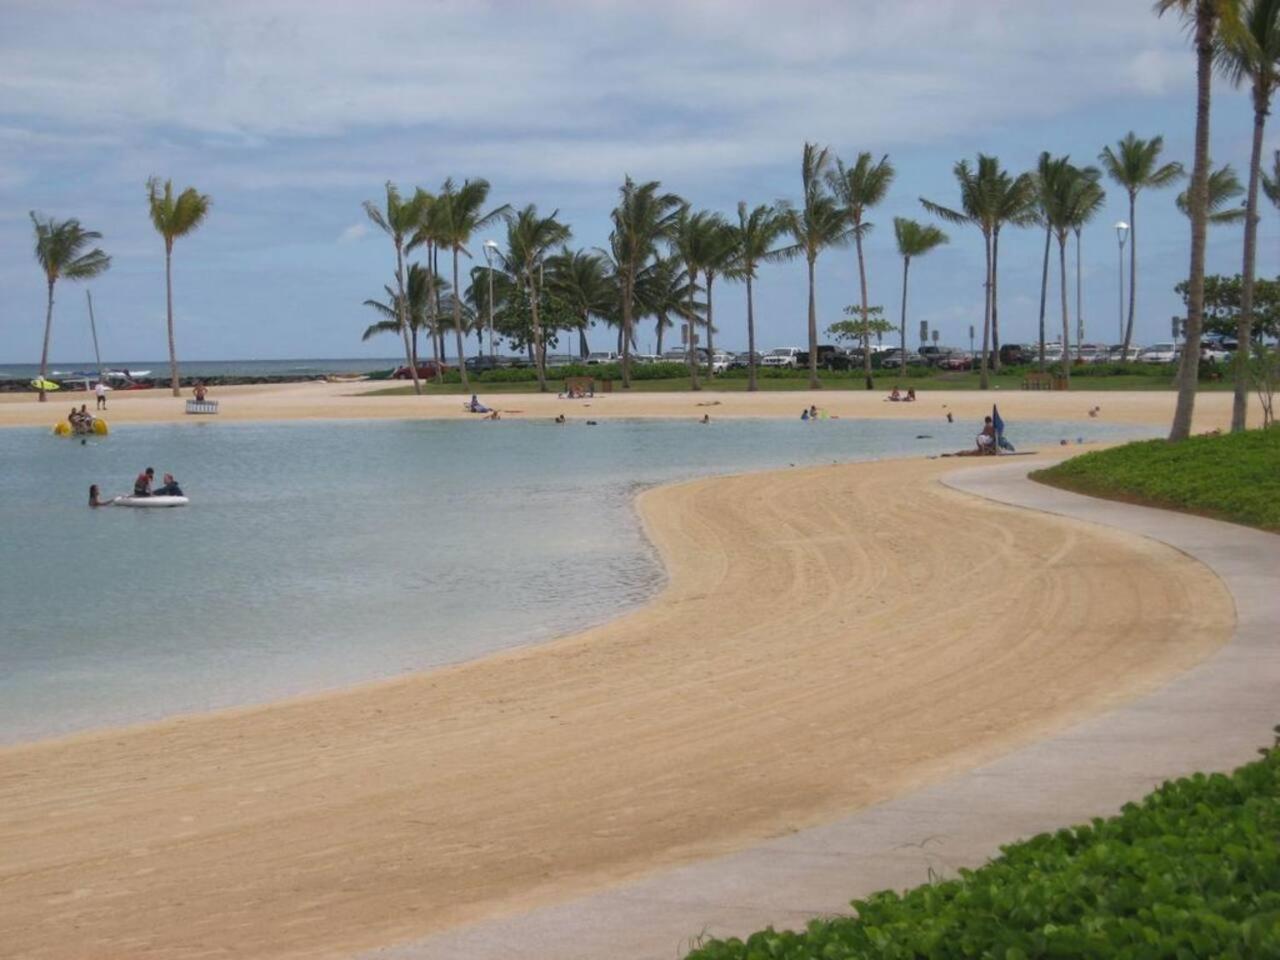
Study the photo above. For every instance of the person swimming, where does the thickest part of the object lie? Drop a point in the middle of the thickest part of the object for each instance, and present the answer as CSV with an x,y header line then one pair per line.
x,y
95,499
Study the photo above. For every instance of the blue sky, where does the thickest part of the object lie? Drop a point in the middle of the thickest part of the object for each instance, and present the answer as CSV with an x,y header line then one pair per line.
x,y
291,114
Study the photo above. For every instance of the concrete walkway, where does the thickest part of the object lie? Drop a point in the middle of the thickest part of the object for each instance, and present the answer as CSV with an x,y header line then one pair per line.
x,y
1212,718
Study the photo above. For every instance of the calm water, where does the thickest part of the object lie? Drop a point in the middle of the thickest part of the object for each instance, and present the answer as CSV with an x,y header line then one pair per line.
x,y
210,368
317,555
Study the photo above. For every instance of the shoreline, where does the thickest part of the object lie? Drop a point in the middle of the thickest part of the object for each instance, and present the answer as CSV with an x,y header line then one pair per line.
x,y
672,733
318,400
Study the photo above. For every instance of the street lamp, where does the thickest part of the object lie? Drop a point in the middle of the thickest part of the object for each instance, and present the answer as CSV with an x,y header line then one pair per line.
x,y
489,247
1122,233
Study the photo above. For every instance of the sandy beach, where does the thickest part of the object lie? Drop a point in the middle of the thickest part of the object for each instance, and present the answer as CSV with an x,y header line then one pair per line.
x,y
829,637
348,401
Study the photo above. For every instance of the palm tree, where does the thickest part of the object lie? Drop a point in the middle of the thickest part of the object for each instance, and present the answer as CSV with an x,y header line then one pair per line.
x,y
459,216
858,189
1049,170
642,218
529,238
428,236
914,240
989,198
1271,181
1224,189
754,239
60,251
819,223
414,309
719,259
1072,193
1088,205
1205,17
581,280
663,288
400,220
701,242
1135,165
174,217
1251,53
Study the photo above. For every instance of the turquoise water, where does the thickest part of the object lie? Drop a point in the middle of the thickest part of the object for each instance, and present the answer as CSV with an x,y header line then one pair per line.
x,y
318,555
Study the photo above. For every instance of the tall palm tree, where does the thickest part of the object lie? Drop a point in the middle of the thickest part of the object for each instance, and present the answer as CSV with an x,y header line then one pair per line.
x,y
581,280
818,223
529,238
428,236
859,188
643,218
1072,192
1204,17
459,216
1089,205
414,309
914,240
174,217
989,198
400,220
699,241
1225,189
719,261
1049,170
663,288
1134,164
755,240
1251,53
60,251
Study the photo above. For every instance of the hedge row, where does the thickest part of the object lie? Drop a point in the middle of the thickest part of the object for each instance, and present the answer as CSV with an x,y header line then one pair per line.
x,y
1193,870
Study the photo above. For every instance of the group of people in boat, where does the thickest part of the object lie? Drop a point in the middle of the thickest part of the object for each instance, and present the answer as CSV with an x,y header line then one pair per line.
x,y
142,485
81,419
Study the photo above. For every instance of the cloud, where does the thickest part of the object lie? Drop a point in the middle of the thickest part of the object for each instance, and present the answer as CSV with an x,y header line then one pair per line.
x,y
353,233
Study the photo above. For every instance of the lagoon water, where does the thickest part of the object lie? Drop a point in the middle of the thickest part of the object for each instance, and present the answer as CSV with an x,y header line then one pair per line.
x,y
319,555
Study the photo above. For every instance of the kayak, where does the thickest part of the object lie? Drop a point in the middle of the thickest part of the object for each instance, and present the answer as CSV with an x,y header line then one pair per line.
x,y
150,501
63,429
46,385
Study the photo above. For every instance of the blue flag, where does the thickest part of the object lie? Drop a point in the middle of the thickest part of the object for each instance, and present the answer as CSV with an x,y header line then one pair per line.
x,y
996,421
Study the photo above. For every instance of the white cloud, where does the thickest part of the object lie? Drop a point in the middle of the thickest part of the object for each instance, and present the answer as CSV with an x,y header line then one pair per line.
x,y
353,233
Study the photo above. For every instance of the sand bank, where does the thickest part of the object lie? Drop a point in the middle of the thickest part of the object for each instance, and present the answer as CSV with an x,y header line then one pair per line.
x,y
342,401
830,637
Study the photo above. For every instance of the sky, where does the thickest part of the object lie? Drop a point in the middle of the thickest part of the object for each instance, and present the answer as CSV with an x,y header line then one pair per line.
x,y
291,114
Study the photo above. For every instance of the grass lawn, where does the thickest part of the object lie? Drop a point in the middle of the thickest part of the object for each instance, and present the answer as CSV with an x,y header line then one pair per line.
x,y
1233,477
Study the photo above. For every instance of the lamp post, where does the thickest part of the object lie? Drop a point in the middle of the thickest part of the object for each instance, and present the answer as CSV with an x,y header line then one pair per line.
x,y
1122,234
489,247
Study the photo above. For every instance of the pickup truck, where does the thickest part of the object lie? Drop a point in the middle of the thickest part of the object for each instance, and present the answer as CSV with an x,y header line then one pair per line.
x,y
830,357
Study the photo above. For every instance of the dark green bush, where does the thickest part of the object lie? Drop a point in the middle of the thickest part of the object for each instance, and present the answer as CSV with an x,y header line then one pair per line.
x,y
1191,871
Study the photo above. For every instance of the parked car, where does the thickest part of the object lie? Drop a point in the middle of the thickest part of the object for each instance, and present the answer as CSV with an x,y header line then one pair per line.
x,y
1015,354
561,360
934,355
830,357
1116,354
1160,353
956,360
606,356
484,362
645,358
675,356
720,361
742,360
781,357
893,359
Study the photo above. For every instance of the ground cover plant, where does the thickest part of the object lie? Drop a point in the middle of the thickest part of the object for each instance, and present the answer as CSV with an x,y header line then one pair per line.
x,y
1192,870
1233,477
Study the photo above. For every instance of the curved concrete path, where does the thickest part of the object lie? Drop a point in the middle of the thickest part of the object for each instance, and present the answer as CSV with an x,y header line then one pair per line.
x,y
1213,717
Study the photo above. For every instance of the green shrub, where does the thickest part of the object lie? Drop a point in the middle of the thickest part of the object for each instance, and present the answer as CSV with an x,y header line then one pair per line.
x,y
1232,477
1193,870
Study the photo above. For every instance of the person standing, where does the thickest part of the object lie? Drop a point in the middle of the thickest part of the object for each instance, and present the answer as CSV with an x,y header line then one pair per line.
x,y
101,391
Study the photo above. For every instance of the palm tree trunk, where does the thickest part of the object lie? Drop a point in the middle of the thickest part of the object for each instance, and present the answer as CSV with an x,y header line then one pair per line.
x,y
433,255
1133,272
540,350
1189,369
711,352
1079,296
400,317
1066,319
414,352
691,354
984,378
583,349
662,320
629,283
906,265
1244,325
44,354
1044,289
995,299
168,296
866,315
457,324
813,331
752,386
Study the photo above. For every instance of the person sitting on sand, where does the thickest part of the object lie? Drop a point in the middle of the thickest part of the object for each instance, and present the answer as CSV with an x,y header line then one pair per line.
x,y
804,414
170,488
1094,411
911,394
950,418
813,412
142,485
95,500
987,438
895,396
559,418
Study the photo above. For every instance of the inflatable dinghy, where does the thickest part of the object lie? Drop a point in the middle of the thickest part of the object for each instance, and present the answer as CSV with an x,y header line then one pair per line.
x,y
150,501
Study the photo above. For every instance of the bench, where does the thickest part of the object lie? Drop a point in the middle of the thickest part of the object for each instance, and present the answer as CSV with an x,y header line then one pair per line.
x,y
1044,381
202,406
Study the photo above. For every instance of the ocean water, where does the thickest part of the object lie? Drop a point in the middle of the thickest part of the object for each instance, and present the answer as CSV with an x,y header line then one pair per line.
x,y
318,555
211,368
